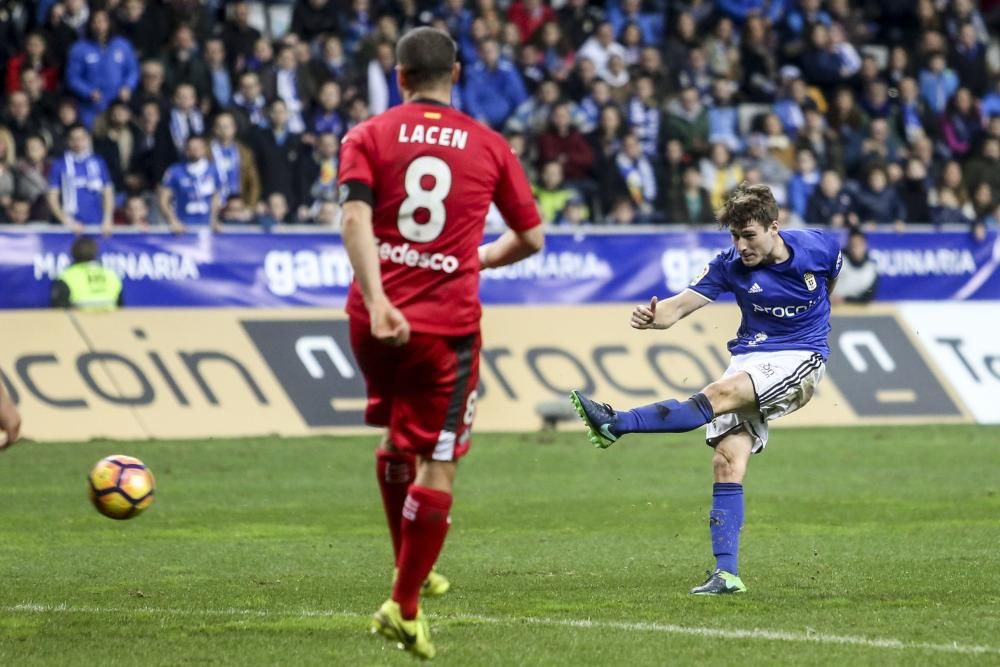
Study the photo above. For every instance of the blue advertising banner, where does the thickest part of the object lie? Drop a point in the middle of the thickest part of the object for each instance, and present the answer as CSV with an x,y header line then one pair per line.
x,y
269,270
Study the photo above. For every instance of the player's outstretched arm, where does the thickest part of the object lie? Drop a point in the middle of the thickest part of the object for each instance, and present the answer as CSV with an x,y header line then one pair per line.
x,y
665,314
389,325
512,246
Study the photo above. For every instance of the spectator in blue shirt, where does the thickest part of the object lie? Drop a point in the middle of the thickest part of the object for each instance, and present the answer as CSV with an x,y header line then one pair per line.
x,y
821,64
326,116
741,10
803,182
457,17
990,106
630,11
357,23
80,189
383,88
189,193
218,72
723,116
795,28
100,68
937,84
644,115
493,87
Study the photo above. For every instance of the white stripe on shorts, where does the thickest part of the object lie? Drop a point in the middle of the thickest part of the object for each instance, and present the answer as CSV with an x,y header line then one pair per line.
x,y
445,448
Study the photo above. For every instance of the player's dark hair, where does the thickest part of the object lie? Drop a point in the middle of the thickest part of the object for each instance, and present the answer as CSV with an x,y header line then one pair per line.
x,y
746,205
426,57
84,249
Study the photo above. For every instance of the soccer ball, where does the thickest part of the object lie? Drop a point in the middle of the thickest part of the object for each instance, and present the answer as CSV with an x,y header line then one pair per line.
x,y
121,486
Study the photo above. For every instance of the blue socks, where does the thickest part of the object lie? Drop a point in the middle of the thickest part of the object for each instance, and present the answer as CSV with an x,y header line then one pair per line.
x,y
724,523
669,416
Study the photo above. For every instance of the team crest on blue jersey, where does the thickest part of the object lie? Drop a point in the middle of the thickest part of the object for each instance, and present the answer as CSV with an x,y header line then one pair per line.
x,y
810,281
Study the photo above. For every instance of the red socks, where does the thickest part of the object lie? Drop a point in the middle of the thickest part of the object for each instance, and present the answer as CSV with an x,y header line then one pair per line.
x,y
418,522
425,525
395,472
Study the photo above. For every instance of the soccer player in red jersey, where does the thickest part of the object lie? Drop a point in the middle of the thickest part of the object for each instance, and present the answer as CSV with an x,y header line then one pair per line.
x,y
416,183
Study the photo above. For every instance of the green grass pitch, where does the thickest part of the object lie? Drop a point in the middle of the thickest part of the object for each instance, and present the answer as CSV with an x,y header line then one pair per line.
x,y
870,546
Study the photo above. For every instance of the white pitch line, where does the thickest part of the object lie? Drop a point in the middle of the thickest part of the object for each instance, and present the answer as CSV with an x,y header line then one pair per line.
x,y
664,628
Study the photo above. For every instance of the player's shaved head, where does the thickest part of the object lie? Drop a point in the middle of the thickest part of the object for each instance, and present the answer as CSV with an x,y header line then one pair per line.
x,y
426,58
748,204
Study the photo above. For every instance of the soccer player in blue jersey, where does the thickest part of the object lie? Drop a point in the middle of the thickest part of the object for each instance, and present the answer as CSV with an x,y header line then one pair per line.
x,y
782,282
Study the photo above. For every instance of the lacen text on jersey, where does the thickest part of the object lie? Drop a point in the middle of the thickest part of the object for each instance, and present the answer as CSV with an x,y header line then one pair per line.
x,y
433,135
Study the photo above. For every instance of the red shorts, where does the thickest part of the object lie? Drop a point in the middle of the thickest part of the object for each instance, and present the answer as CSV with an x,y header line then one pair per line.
x,y
424,391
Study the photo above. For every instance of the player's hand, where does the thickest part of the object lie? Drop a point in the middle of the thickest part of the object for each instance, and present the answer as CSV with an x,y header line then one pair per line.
x,y
644,317
389,325
10,421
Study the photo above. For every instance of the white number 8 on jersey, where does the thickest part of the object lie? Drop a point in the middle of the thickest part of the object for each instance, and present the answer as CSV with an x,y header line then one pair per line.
x,y
417,197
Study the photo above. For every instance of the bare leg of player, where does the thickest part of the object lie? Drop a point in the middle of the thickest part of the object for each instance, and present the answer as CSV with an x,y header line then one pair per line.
x,y
425,522
731,394
731,458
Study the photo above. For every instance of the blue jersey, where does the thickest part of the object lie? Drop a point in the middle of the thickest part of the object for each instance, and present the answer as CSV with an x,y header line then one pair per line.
x,y
107,69
785,306
193,189
81,181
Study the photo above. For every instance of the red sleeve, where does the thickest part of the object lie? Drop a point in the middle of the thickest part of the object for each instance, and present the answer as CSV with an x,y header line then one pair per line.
x,y
355,162
513,194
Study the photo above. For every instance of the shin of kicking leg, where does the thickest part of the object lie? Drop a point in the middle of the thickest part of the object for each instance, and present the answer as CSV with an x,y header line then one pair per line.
x,y
424,527
730,394
669,416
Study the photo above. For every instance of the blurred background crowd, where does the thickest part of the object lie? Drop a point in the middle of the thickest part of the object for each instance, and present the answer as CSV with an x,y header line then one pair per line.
x,y
187,112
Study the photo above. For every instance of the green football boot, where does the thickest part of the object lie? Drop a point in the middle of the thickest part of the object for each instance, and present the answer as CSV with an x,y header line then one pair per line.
x,y
720,582
599,418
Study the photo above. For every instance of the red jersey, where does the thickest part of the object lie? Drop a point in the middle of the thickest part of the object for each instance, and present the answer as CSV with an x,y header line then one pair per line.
x,y
432,172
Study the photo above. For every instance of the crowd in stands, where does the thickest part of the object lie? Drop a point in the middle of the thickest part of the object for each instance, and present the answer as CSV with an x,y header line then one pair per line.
x,y
191,112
